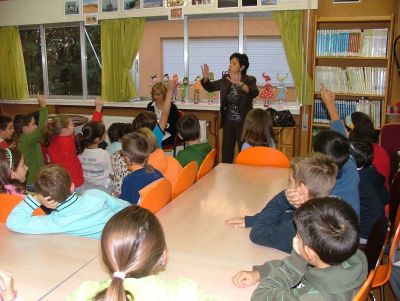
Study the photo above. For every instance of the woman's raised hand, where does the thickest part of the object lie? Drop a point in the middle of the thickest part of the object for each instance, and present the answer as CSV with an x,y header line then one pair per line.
x,y
206,72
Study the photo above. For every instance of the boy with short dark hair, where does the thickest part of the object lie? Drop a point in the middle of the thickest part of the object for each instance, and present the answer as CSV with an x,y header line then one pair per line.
x,y
325,263
334,143
373,193
80,215
311,176
189,131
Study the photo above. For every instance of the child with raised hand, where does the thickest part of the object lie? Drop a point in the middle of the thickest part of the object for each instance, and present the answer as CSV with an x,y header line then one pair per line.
x,y
257,129
96,162
29,135
6,131
59,140
325,263
12,172
79,215
136,150
133,250
189,131
310,176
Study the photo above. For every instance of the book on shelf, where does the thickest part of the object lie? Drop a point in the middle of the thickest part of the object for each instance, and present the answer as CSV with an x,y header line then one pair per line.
x,y
346,107
352,42
351,80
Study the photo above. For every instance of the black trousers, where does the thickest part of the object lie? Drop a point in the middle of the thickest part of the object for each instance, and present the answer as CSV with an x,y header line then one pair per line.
x,y
231,134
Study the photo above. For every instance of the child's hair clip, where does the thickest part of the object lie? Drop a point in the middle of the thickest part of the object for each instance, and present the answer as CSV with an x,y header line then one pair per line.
x,y
9,157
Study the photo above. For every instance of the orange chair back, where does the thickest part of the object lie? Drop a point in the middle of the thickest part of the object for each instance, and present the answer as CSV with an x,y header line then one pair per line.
x,y
156,195
7,204
362,294
186,178
384,271
208,164
262,156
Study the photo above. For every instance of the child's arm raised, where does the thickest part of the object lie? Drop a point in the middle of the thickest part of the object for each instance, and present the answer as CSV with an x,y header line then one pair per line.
x,y
328,97
97,114
35,136
167,106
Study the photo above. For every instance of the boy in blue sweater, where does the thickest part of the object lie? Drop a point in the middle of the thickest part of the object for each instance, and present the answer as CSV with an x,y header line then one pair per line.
x,y
309,177
80,215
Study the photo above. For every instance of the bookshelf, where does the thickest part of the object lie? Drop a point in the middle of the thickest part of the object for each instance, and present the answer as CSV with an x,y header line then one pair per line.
x,y
352,58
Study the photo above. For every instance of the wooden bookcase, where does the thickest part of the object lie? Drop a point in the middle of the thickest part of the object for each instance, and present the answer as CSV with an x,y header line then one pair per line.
x,y
345,43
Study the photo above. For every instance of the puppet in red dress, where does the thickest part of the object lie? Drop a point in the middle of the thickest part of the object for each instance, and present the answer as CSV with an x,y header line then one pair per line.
x,y
267,92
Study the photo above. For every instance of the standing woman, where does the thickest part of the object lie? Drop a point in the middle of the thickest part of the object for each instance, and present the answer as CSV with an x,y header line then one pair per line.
x,y
237,90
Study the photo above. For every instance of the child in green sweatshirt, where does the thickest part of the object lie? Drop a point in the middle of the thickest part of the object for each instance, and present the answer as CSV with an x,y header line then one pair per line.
x,y
29,135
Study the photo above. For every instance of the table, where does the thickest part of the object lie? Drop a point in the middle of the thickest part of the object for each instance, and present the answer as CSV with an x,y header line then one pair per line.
x,y
41,262
200,246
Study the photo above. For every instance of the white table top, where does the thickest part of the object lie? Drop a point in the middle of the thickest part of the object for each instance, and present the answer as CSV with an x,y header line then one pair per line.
x,y
39,263
200,246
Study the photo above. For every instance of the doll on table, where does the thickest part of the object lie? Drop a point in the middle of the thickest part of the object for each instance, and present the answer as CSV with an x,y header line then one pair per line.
x,y
175,80
268,91
184,88
197,87
211,94
281,87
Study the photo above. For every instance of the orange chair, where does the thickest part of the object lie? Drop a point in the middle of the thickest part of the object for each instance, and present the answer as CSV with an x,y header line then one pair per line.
x,y
155,195
383,272
363,293
186,178
7,204
262,156
208,164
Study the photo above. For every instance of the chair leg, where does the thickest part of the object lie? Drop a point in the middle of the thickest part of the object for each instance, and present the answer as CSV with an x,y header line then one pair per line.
x,y
382,292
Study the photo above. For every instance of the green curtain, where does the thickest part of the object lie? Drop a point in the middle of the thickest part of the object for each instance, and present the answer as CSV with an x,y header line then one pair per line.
x,y
13,83
120,41
290,26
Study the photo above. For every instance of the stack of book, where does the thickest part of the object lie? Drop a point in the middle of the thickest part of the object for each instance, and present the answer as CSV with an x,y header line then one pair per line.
x,y
352,42
352,80
346,107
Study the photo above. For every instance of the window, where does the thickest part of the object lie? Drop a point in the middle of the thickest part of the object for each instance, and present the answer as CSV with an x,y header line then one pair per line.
x,y
172,50
93,53
267,55
30,39
64,60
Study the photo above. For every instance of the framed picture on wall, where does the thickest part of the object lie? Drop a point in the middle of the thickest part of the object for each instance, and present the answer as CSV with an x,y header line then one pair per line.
x,y
346,1
109,6
175,13
268,2
90,6
131,4
152,3
201,2
249,3
91,20
71,7
228,3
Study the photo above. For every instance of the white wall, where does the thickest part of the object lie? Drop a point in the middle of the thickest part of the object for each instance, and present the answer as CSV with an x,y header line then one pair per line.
x,y
27,12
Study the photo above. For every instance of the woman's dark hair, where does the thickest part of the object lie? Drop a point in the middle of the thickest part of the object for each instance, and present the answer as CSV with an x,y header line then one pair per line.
x,y
243,60
5,170
4,121
90,132
20,121
363,128
132,243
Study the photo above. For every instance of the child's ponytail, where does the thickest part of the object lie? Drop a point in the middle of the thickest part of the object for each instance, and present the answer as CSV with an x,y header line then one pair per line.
x,y
90,132
115,291
54,128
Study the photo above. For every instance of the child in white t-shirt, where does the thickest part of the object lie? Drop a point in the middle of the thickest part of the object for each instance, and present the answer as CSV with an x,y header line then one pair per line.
x,y
96,163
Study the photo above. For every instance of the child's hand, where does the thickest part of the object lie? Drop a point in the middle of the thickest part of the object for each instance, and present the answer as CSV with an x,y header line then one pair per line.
x,y
46,201
41,101
246,278
295,198
236,222
6,286
98,103
328,97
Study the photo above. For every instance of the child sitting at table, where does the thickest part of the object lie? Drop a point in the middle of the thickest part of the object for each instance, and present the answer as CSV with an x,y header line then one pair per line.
x,y
325,263
96,162
29,135
60,145
6,131
311,176
136,150
133,250
12,172
257,129
80,215
189,131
